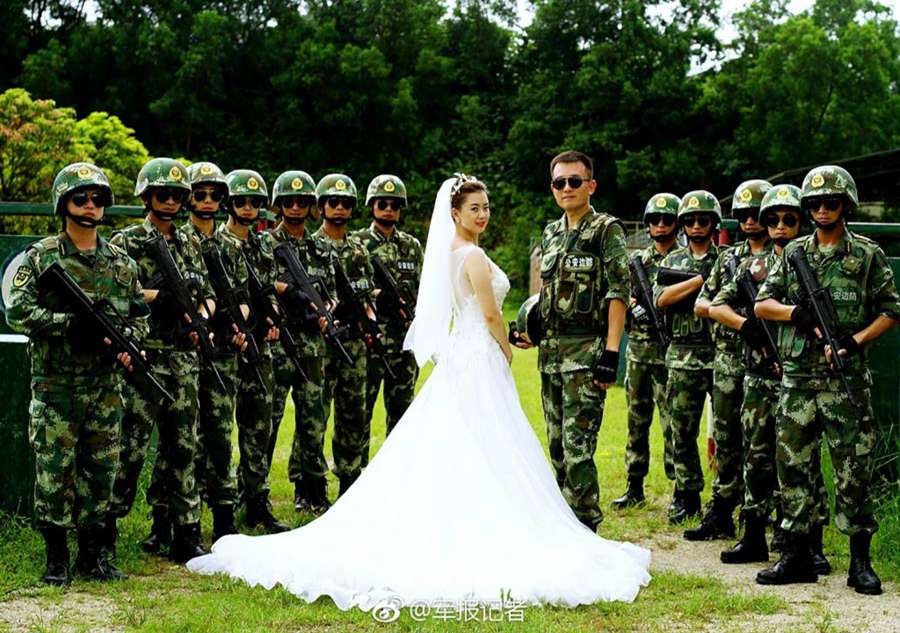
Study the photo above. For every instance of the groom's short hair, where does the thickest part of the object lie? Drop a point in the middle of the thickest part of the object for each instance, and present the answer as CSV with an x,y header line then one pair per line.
x,y
573,156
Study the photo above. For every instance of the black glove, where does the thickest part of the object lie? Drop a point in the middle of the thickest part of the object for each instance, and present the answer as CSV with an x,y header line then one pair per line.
x,y
606,367
803,320
753,333
513,335
849,344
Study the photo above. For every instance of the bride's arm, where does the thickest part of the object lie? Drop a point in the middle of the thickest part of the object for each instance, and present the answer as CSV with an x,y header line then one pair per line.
x,y
478,271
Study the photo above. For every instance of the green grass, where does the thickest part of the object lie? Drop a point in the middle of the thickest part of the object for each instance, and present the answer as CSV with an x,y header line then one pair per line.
x,y
162,597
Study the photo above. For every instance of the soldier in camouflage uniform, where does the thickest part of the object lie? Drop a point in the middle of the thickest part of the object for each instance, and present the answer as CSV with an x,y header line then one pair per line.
x,y
76,405
346,384
402,254
583,301
645,372
728,369
813,401
293,199
247,194
690,354
215,474
781,213
164,186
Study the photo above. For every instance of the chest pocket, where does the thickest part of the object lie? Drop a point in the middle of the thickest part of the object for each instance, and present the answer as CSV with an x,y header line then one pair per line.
x,y
577,279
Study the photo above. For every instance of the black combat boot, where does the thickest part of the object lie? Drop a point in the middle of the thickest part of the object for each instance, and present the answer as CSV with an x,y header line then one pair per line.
x,y
752,546
259,514
688,506
794,566
777,533
110,536
345,481
160,536
817,551
57,572
717,522
317,494
91,561
301,497
223,522
862,577
186,543
633,496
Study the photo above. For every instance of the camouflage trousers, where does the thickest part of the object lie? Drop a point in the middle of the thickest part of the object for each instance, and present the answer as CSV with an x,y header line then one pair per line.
x,y
645,385
398,392
758,418
573,409
686,393
253,413
173,484
215,474
346,385
727,396
308,445
74,432
804,416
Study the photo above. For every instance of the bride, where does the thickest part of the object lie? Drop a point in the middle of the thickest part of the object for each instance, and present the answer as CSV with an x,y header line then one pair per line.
x,y
460,503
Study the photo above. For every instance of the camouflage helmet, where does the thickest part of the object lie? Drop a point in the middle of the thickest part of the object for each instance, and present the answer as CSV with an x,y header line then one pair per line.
x,y
162,172
528,320
385,186
699,201
77,176
246,182
206,172
749,194
662,203
830,180
336,185
293,183
780,196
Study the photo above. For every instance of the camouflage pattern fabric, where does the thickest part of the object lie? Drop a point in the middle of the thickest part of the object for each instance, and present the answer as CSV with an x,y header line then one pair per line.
x,y
215,474
573,408
76,407
344,384
645,384
686,393
758,421
402,254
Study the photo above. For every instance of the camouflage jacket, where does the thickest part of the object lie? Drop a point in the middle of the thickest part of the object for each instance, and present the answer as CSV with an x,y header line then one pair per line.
x,y
643,345
861,282
582,270
729,346
692,346
402,254
353,257
315,257
104,273
189,262
759,266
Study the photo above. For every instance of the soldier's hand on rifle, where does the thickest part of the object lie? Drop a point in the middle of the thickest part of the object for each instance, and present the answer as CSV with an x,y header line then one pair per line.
x,y
273,333
123,358
239,340
848,347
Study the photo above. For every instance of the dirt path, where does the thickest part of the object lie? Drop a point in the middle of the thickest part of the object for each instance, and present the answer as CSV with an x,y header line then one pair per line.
x,y
828,605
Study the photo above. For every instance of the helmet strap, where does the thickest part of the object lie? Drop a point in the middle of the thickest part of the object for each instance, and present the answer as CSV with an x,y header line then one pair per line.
x,y
756,235
295,221
165,216
383,222
80,220
782,241
203,215
240,220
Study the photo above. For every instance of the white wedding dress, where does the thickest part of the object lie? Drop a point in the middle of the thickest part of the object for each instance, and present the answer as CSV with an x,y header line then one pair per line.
x,y
459,504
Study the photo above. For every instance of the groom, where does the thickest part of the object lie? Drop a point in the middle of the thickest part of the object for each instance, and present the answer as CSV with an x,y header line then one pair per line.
x,y
585,284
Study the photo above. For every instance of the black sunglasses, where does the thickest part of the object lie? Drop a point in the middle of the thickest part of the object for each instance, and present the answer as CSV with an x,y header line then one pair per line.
x,y
80,198
666,219
574,182
831,203
702,221
164,194
742,215
301,202
788,219
394,205
215,195
240,201
341,201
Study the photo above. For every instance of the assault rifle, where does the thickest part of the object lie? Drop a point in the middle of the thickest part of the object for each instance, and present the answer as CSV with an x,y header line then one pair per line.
x,y
300,278
185,304
747,292
644,295
357,310
55,280
228,301
669,277
395,296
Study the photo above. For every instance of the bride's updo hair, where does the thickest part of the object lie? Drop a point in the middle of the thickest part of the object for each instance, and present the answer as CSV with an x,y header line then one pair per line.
x,y
463,187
